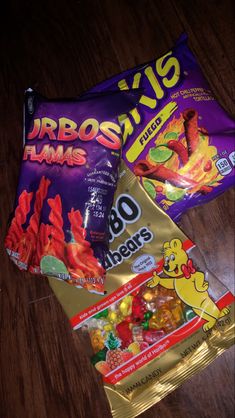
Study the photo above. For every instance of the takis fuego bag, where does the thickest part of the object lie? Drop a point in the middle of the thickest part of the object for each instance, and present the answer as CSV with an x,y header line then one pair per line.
x,y
179,141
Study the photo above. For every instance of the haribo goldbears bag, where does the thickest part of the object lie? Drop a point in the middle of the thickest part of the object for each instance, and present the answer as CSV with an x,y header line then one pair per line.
x,y
179,141
164,317
67,181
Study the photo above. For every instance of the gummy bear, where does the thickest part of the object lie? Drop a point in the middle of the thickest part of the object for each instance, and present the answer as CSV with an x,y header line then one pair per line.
x,y
138,309
137,333
152,336
124,333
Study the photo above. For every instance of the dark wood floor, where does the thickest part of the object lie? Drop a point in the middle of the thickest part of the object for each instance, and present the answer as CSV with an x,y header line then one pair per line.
x,y
62,48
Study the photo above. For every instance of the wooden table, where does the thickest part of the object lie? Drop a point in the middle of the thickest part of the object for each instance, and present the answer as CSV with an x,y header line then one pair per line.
x,y
62,48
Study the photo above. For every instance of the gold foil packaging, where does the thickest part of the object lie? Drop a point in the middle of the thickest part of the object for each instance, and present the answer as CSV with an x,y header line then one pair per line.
x,y
164,316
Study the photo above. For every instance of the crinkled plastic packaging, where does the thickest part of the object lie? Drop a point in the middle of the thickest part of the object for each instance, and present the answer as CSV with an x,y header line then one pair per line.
x,y
66,186
179,141
164,317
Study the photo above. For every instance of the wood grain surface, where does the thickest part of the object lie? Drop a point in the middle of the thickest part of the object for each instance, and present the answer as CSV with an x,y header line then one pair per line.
x,y
62,48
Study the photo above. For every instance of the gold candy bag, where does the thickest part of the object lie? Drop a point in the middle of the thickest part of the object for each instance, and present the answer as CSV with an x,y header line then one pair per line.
x,y
164,315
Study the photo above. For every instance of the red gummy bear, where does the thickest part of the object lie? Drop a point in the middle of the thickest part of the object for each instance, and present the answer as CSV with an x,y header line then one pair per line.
x,y
138,309
124,333
152,336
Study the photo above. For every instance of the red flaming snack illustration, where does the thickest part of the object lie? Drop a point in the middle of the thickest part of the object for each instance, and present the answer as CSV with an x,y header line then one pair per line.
x,y
42,247
181,162
15,231
57,233
191,129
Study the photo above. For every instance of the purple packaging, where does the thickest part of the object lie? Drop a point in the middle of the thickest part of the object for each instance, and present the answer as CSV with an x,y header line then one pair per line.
x,y
178,140
66,186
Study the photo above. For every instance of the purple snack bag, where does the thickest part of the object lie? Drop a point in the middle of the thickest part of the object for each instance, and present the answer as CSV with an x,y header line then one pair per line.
x,y
178,140
66,186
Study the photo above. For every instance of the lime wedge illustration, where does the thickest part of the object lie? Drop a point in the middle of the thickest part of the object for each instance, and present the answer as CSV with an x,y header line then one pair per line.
x,y
160,154
171,135
51,265
150,188
175,194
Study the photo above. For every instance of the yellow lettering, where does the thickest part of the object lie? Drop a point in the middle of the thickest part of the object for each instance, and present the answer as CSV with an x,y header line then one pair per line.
x,y
128,129
150,131
164,68
154,83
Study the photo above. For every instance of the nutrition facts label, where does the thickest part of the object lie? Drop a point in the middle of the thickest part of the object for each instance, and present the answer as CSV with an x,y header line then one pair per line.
x,y
223,166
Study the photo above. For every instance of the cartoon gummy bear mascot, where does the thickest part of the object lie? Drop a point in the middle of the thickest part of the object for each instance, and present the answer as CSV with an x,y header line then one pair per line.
x,y
189,284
